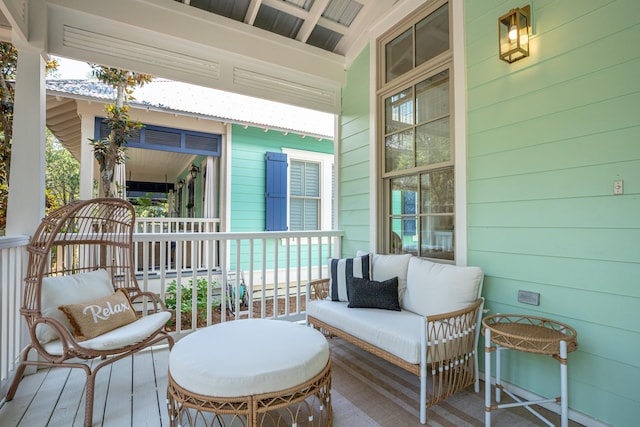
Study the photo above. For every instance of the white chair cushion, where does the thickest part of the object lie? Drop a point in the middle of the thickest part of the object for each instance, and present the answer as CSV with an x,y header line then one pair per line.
x,y
131,333
386,267
434,288
247,357
70,289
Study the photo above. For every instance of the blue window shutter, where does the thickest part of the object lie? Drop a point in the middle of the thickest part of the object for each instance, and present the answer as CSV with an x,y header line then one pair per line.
x,y
276,192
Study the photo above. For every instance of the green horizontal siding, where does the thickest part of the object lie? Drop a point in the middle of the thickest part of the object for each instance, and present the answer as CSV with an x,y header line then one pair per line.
x,y
547,137
354,197
249,147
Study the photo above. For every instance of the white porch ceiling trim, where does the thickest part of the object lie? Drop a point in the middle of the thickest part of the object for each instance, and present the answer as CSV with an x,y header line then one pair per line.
x,y
292,89
81,39
165,38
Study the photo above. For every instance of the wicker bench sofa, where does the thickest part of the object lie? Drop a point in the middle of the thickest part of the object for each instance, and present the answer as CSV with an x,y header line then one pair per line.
x,y
434,331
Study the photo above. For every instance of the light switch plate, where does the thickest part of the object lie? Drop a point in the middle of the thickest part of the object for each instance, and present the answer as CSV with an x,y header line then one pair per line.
x,y
618,187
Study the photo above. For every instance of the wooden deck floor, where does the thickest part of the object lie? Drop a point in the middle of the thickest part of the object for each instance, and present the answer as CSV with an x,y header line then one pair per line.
x,y
129,392
366,392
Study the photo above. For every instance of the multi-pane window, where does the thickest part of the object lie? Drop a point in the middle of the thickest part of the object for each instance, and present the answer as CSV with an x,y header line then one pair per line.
x,y
416,144
304,197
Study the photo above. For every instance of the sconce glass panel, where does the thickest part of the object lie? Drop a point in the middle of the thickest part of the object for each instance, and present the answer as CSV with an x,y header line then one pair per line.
x,y
513,34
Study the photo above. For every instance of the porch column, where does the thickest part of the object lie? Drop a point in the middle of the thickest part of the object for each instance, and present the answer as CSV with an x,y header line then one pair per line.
x,y
210,206
25,206
87,123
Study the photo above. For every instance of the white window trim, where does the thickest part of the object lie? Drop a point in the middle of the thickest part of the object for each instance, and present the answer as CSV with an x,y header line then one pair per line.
x,y
326,163
398,14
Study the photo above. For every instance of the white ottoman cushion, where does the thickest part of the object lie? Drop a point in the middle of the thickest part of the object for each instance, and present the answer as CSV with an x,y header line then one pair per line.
x,y
248,357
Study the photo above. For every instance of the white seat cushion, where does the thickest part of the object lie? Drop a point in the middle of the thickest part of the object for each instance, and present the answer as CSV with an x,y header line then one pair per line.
x,y
434,288
248,357
131,333
397,332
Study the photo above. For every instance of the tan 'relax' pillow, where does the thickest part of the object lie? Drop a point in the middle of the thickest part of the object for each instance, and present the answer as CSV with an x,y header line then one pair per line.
x,y
92,318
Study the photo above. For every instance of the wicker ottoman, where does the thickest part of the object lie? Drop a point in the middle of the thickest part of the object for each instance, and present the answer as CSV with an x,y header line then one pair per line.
x,y
252,372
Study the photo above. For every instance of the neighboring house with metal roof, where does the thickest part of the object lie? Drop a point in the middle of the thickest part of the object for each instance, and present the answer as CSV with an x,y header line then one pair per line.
x,y
206,151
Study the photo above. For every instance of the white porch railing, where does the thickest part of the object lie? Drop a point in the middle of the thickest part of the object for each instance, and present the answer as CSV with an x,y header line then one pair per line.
x,y
13,264
274,266
154,260
176,225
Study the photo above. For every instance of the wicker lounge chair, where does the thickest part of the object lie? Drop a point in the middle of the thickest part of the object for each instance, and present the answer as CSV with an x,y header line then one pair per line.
x,y
82,253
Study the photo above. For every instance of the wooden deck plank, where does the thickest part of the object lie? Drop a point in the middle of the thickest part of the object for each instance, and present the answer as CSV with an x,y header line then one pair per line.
x,y
69,406
118,405
100,396
161,367
13,412
45,400
145,408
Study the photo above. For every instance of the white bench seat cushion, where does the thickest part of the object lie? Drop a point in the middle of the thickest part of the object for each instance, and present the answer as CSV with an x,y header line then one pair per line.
x,y
131,333
397,332
248,357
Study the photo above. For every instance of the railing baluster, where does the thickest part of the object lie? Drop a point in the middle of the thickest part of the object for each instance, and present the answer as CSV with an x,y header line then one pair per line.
x,y
287,279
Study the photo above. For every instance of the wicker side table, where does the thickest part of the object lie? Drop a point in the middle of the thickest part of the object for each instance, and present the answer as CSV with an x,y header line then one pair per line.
x,y
532,335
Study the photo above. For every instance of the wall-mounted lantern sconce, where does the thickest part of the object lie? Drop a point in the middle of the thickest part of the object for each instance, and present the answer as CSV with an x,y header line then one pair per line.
x,y
194,171
181,184
514,29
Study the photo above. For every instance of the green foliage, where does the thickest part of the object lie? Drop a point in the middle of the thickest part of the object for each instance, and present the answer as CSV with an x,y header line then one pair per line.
x,y
111,150
147,208
62,174
186,297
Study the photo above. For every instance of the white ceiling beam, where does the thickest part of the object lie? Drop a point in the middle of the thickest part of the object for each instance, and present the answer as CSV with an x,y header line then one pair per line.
x,y
289,8
318,8
252,12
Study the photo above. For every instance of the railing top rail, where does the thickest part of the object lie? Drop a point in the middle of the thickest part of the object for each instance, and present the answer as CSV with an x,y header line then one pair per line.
x,y
8,242
178,220
238,235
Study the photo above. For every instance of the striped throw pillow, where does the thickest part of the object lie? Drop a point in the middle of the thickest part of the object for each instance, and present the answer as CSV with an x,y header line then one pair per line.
x,y
341,271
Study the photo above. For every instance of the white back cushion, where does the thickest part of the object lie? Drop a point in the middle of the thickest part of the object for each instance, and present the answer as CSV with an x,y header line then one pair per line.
x,y
72,289
387,267
434,288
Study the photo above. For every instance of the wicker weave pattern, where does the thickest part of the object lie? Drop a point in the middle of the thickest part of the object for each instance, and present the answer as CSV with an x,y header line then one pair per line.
x,y
80,237
531,334
451,362
308,404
